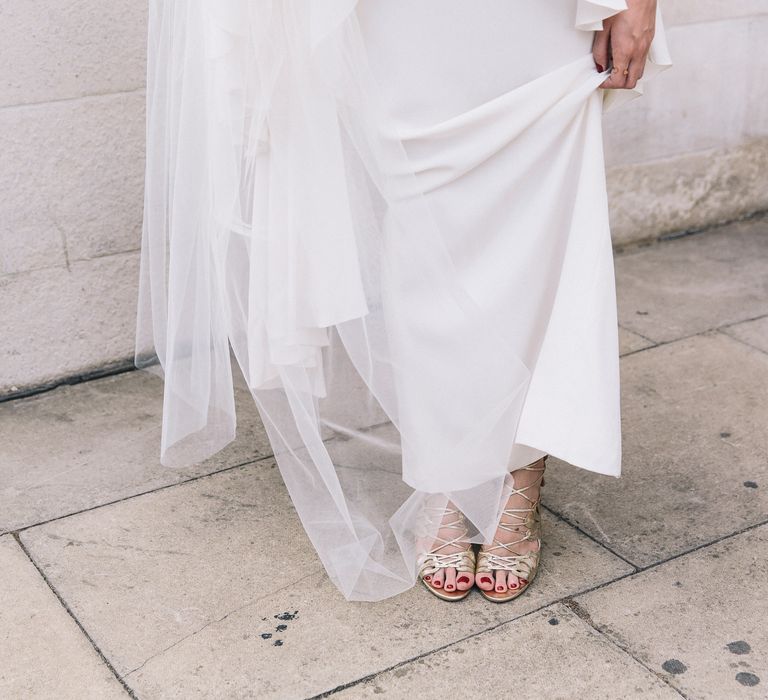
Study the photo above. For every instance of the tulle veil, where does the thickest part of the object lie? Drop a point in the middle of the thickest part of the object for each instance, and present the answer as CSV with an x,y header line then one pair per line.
x,y
286,228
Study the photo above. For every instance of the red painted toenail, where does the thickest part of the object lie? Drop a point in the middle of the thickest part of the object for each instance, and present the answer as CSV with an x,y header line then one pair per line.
x,y
449,587
427,578
500,589
463,579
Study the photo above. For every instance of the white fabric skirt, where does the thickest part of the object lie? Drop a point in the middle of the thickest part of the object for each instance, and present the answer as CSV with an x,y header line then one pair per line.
x,y
393,216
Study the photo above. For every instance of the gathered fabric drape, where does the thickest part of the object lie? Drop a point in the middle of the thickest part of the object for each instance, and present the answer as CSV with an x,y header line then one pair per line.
x,y
392,216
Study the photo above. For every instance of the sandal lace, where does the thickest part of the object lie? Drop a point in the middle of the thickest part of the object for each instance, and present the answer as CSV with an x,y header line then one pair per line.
x,y
521,565
431,561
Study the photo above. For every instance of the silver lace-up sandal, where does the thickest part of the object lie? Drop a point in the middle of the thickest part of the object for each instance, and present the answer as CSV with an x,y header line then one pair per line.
x,y
524,566
433,560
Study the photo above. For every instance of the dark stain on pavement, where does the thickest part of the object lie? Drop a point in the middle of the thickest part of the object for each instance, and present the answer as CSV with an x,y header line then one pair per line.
x,y
288,615
285,617
748,679
740,647
674,666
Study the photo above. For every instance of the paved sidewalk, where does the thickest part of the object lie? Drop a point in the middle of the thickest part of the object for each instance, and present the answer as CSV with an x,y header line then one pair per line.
x,y
120,578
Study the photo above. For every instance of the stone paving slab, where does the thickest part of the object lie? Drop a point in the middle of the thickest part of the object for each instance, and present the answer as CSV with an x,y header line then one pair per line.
x,y
230,658
632,342
143,573
43,653
695,283
77,447
695,452
754,333
178,586
550,653
698,620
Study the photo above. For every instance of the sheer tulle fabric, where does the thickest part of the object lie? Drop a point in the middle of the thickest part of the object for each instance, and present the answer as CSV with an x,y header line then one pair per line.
x,y
419,292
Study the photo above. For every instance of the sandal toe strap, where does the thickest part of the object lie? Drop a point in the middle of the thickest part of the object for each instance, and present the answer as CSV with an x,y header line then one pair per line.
x,y
521,565
431,562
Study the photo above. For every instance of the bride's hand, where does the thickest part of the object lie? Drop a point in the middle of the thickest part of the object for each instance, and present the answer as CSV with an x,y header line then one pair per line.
x,y
623,43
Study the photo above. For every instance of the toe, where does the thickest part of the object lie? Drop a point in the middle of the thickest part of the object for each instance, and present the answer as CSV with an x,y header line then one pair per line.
x,y
485,581
501,583
464,581
438,578
450,579
513,582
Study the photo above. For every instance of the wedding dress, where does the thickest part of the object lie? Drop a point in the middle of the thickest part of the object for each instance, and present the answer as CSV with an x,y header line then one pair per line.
x,y
392,214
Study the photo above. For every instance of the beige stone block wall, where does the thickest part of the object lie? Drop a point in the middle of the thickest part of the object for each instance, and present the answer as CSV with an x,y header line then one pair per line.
x,y
692,152
71,167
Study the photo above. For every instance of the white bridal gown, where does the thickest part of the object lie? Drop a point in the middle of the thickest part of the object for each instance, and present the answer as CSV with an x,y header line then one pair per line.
x,y
392,214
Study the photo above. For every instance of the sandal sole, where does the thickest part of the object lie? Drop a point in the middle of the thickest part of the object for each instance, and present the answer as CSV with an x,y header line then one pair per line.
x,y
517,593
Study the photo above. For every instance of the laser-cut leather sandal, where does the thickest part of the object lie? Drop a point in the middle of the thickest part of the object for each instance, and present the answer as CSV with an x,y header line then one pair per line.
x,y
524,566
432,561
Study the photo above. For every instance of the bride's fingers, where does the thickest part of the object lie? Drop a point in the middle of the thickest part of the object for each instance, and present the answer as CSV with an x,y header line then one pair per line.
x,y
636,68
625,40
600,47
619,72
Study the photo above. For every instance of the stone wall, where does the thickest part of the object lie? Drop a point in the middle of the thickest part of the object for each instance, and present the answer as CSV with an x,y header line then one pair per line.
x,y
71,162
692,152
